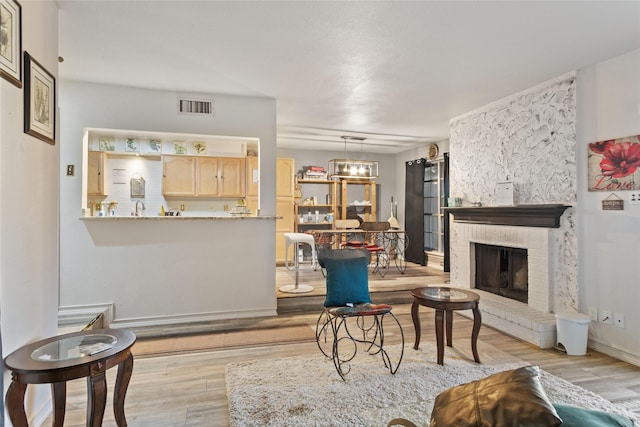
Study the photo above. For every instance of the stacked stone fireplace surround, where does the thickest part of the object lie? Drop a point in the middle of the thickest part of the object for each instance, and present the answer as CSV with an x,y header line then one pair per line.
x,y
529,140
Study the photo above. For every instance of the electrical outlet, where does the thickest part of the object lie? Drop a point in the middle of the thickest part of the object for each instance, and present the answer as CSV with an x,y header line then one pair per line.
x,y
618,319
606,317
593,314
634,198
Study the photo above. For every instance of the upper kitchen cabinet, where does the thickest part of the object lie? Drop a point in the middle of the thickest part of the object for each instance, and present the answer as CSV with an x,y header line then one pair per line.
x,y
203,176
220,177
95,173
178,176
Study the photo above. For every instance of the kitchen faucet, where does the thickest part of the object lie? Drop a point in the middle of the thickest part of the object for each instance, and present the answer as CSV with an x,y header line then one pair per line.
x,y
139,213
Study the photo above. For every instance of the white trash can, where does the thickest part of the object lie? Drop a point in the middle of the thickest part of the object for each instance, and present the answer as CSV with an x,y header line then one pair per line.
x,y
572,332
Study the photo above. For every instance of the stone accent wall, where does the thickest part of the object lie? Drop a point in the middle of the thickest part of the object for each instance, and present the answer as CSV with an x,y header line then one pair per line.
x,y
529,139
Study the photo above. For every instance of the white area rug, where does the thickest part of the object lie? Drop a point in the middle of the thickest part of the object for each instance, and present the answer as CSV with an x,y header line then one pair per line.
x,y
307,391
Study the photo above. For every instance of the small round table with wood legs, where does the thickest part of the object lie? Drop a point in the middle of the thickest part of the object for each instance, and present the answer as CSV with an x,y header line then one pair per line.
x,y
66,357
446,300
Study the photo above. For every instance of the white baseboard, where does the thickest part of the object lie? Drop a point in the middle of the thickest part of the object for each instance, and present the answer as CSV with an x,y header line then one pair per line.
x,y
70,314
190,318
616,353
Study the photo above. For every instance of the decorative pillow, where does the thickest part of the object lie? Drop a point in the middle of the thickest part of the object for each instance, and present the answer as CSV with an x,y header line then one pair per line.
x,y
347,281
580,417
509,398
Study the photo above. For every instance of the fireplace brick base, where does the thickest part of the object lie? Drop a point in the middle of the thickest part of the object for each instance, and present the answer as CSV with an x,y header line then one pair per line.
x,y
533,322
516,319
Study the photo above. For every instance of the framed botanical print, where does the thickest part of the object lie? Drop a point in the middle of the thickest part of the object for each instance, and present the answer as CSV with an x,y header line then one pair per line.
x,y
11,41
39,101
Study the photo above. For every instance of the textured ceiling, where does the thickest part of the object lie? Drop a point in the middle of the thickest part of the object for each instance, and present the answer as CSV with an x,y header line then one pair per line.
x,y
394,72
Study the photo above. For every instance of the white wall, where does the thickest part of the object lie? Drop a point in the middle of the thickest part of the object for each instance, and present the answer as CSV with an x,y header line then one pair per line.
x,y
609,245
29,210
152,270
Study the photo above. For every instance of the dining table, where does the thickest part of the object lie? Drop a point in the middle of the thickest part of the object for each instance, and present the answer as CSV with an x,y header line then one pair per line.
x,y
393,241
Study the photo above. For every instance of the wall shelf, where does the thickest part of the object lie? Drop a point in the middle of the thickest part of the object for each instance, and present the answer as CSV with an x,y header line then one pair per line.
x,y
522,215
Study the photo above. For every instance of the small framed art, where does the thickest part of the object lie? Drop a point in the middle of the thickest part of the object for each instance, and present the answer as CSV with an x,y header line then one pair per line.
x,y
11,41
155,146
106,143
39,101
137,187
131,145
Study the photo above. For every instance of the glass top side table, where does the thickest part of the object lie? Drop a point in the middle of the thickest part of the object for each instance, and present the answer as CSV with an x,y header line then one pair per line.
x,y
59,359
74,347
445,301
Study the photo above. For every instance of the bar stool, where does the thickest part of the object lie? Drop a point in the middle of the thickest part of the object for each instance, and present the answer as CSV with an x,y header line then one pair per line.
x,y
298,239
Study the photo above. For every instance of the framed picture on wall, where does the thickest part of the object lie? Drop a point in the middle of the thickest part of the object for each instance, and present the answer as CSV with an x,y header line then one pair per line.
x,y
11,41
39,101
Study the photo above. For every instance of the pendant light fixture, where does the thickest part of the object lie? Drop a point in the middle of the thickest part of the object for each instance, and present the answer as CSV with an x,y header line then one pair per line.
x,y
353,169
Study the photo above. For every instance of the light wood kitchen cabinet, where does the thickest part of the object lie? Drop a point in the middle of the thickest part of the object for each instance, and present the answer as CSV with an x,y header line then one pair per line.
x,y
231,177
283,225
284,205
220,177
253,177
178,175
207,182
95,173
284,177
202,176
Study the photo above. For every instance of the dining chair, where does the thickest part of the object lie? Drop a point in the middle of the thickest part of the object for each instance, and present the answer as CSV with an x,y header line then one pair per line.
x,y
349,240
375,244
349,319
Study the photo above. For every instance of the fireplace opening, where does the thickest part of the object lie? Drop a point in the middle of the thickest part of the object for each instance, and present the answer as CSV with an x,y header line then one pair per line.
x,y
502,271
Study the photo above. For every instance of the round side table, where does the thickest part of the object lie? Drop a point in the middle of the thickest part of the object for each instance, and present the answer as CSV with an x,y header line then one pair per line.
x,y
445,300
59,359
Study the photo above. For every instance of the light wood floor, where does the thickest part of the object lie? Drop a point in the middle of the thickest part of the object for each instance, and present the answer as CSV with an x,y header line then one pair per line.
x,y
188,389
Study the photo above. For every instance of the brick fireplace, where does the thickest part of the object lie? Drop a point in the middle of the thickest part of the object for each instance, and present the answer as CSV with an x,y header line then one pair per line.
x,y
520,228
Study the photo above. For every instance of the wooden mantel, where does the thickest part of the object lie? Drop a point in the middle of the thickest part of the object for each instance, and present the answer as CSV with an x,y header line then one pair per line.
x,y
522,215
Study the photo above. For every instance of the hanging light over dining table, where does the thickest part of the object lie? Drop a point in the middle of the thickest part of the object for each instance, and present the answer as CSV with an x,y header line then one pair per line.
x,y
353,169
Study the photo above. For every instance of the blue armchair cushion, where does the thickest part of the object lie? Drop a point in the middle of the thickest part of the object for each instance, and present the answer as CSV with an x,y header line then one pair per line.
x,y
347,281
580,417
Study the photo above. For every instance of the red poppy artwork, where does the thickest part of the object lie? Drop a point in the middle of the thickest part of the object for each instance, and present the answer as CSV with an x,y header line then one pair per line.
x,y
614,163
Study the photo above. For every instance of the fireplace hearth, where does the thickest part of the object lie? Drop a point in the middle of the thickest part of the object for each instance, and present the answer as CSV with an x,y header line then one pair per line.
x,y
502,271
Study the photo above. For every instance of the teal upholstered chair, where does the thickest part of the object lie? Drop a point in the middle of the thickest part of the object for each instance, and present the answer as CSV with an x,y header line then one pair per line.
x,y
349,319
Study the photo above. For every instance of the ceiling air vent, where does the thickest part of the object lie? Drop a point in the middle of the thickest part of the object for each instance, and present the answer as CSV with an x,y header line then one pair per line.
x,y
198,107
